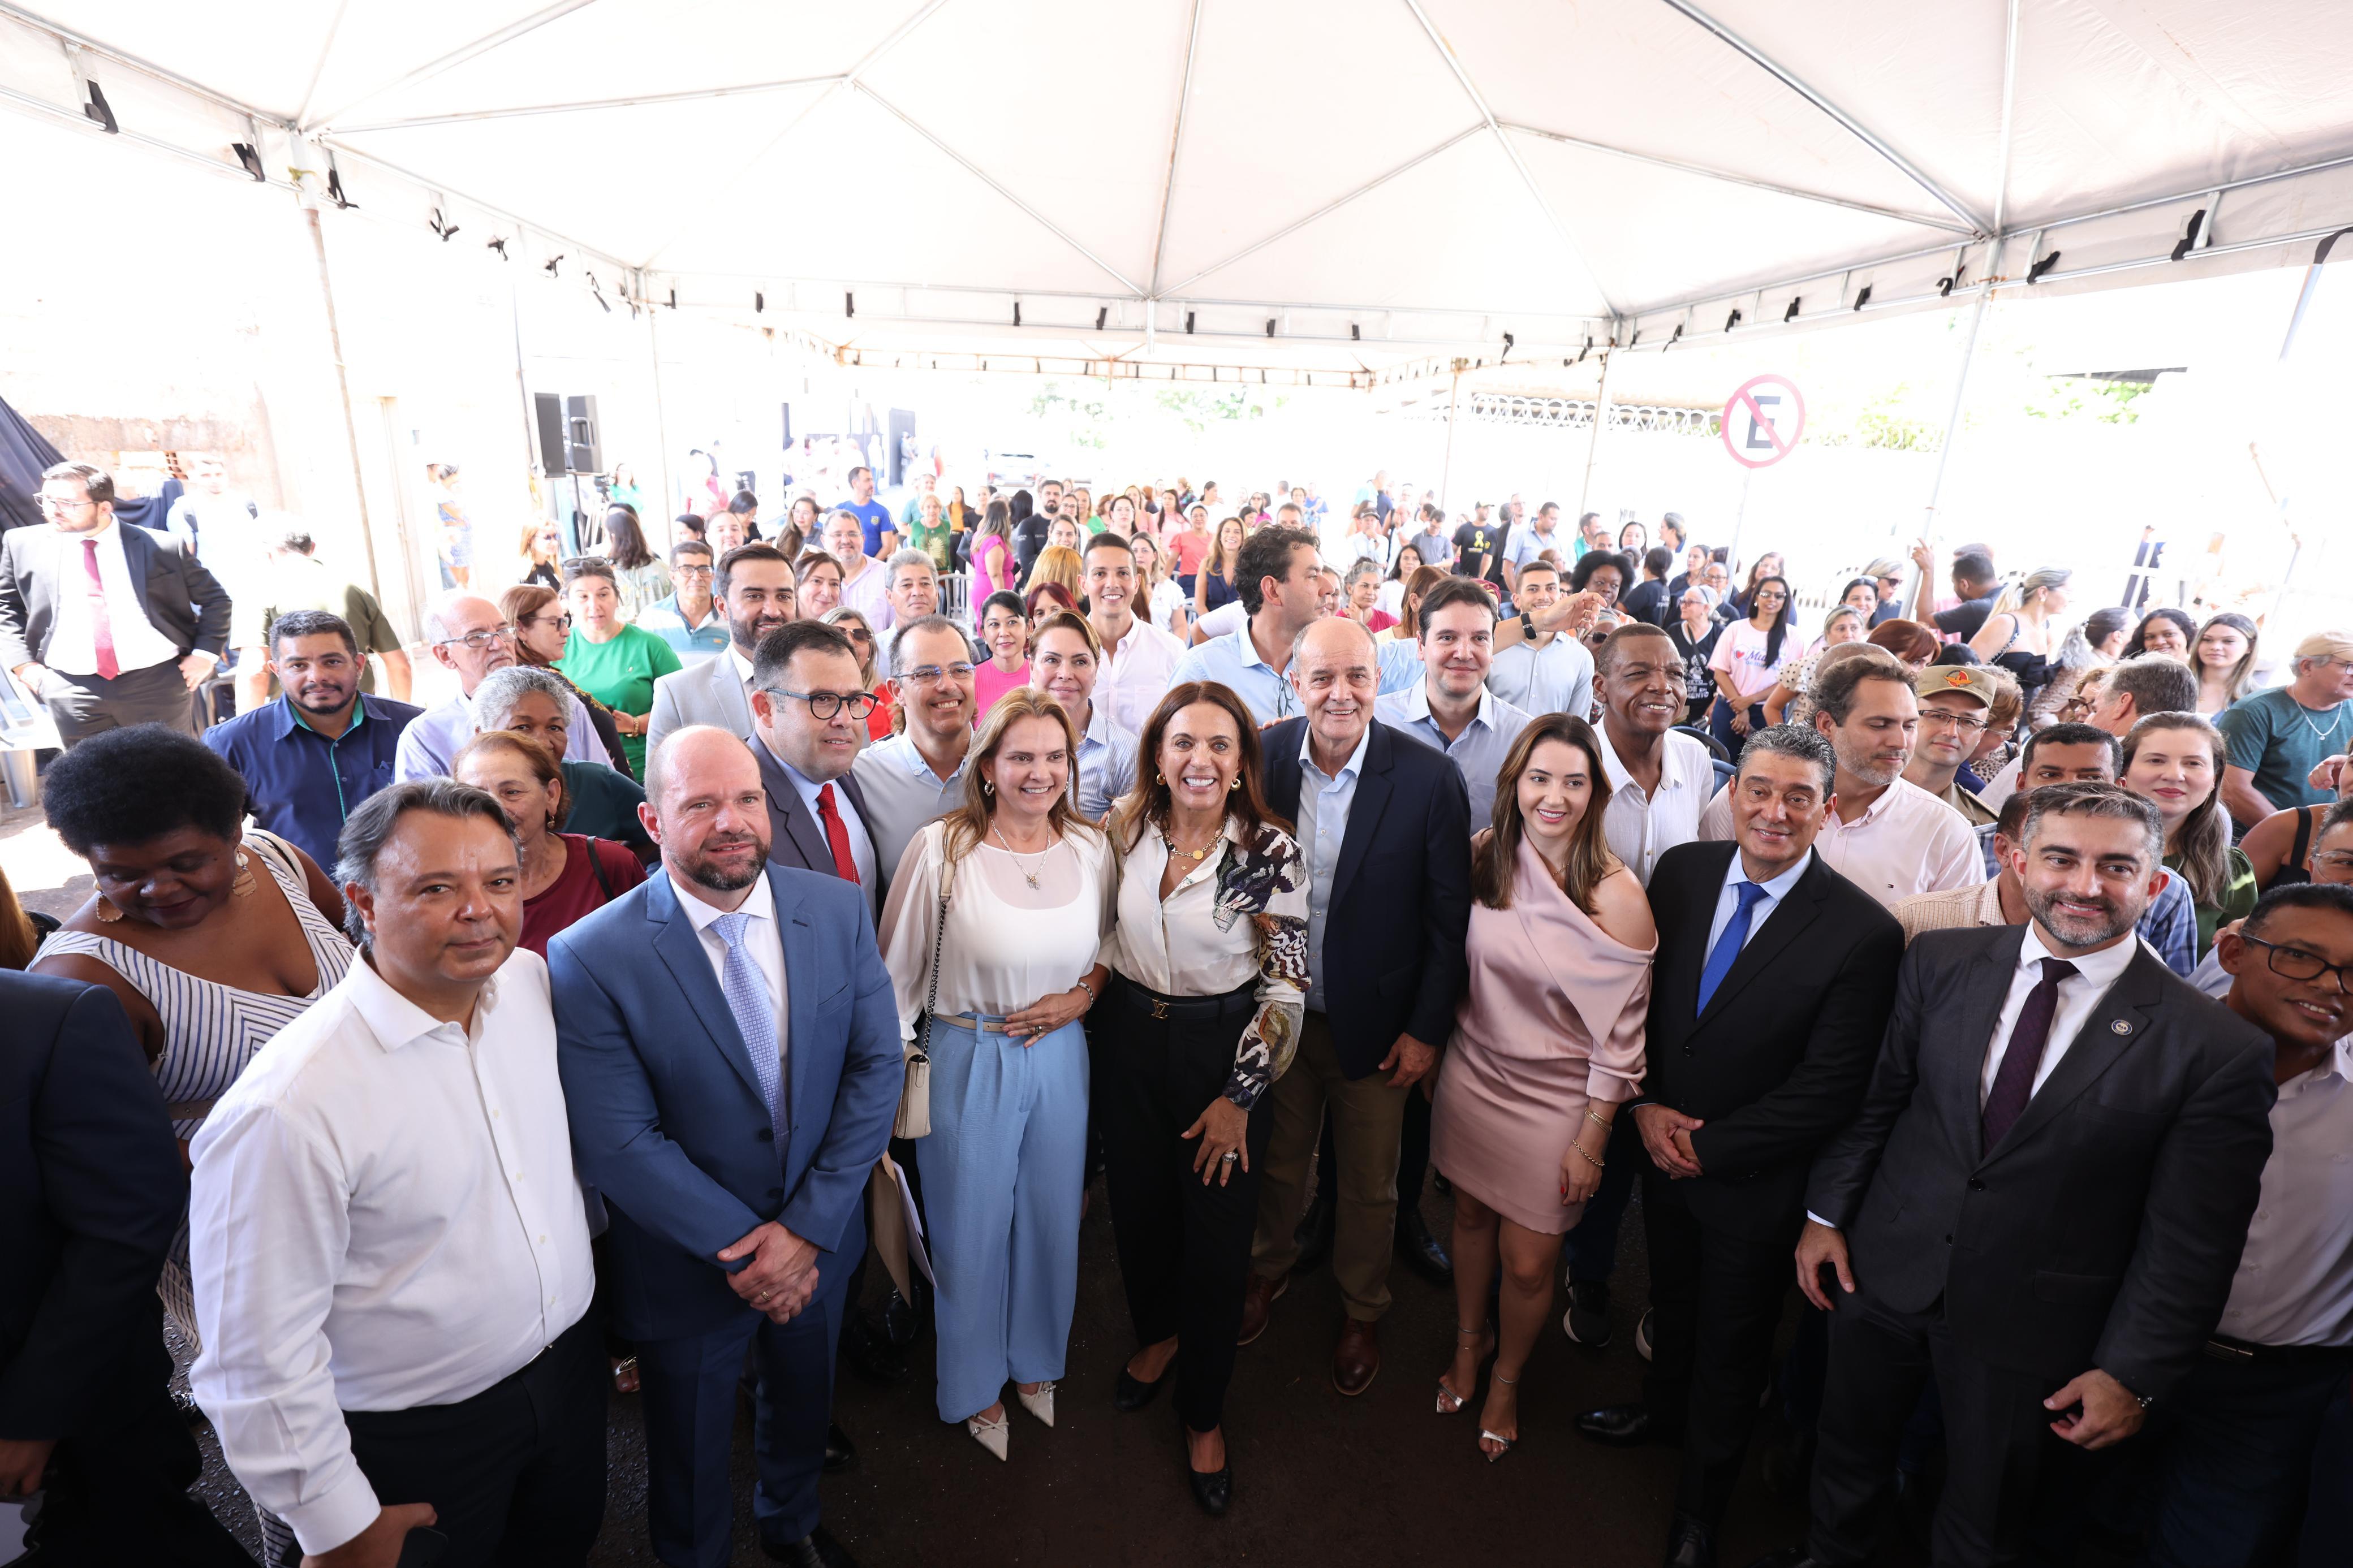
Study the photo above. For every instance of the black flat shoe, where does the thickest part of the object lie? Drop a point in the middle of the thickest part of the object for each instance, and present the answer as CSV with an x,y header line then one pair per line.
x,y
840,1453
1213,1489
1626,1427
1690,1545
816,1550
1134,1394
901,1319
870,1354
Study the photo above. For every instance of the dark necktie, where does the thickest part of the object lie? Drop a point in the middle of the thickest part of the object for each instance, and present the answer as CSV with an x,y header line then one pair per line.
x,y
2013,1081
1726,951
837,835
102,630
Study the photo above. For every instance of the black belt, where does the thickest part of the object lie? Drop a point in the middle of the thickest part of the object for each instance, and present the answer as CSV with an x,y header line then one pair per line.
x,y
2223,1348
1190,1009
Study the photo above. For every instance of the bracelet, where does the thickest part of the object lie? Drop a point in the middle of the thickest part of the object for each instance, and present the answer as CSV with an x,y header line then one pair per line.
x,y
1605,1126
1082,984
1596,1164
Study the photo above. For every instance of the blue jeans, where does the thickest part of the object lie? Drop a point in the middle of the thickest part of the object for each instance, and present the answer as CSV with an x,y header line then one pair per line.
x,y
1005,1169
2232,1483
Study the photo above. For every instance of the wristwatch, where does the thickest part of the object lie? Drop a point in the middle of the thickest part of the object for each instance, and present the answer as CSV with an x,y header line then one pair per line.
x,y
1529,625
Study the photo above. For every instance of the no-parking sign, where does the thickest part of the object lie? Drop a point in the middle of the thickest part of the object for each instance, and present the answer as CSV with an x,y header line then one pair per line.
x,y
1762,421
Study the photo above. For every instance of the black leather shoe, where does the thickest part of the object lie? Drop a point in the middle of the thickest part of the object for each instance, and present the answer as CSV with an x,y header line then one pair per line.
x,y
817,1549
1626,1427
1134,1394
901,1319
1420,1249
1314,1234
840,1453
869,1353
1788,1557
1213,1489
1690,1543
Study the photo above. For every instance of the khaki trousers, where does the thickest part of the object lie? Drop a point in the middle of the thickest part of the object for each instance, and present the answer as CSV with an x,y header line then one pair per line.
x,y
1367,1117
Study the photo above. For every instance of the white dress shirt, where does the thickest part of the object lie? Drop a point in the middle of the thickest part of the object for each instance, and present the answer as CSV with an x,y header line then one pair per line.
x,y
1906,842
861,843
1136,674
1727,901
868,595
2079,995
1555,679
1324,803
1641,827
762,943
73,633
383,1216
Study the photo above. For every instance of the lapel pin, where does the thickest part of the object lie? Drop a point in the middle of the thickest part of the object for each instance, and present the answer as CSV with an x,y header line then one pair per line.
x,y
2121,1027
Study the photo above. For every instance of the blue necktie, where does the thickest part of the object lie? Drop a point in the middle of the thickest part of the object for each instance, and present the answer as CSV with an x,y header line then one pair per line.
x,y
747,998
1728,947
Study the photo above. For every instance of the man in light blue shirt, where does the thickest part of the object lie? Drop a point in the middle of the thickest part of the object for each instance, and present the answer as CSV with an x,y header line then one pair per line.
x,y
918,773
1106,766
1450,708
1526,543
1552,673
1276,577
688,620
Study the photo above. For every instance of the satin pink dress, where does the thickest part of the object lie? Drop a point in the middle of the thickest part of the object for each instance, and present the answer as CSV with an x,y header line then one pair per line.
x,y
1552,1021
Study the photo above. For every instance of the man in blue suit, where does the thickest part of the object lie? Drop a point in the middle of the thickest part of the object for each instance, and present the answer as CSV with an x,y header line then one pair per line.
x,y
730,1061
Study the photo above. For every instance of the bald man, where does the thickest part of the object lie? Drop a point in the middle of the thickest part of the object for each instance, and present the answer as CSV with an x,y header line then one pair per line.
x,y
731,1062
469,639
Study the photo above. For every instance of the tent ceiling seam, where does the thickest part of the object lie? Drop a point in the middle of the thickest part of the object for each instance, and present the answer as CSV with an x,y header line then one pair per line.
x,y
326,48
453,58
1862,133
1175,146
520,110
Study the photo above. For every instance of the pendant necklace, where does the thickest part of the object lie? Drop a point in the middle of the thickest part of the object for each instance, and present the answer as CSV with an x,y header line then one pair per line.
x,y
1028,875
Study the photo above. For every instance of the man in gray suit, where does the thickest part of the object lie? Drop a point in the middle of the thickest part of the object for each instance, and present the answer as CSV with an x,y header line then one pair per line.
x,y
754,586
809,722
2042,1202
109,625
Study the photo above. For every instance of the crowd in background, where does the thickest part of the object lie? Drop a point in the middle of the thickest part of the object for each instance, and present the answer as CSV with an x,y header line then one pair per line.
x,y
1975,965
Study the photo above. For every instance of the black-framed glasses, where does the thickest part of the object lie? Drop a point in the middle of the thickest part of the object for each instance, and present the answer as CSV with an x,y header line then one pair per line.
x,y
856,633
823,705
562,621
2296,964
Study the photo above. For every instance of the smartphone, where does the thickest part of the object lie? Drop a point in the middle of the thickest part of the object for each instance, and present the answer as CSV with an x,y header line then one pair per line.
x,y
424,1548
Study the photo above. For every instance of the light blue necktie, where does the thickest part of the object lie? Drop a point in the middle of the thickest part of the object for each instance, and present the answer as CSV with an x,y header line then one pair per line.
x,y
1720,957
747,998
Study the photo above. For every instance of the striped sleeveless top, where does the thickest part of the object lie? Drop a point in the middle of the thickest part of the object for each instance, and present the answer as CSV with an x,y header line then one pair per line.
x,y
211,1031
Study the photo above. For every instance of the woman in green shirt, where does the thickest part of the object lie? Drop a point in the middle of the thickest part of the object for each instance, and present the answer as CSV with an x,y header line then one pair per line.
x,y
611,661
2174,760
931,536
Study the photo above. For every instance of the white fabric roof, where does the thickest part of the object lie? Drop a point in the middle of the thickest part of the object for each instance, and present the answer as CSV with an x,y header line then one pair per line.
x,y
1351,184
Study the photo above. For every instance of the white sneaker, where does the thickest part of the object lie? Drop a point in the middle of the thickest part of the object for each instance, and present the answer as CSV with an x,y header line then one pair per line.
x,y
1040,1404
996,1436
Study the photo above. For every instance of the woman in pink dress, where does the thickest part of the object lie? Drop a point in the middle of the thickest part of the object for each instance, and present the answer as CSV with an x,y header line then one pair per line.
x,y
994,567
1548,1045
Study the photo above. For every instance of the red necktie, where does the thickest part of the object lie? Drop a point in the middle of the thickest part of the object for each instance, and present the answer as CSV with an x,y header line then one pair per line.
x,y
837,835
102,630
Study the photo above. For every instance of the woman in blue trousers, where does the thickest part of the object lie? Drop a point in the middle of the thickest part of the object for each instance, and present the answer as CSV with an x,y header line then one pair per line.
x,y
991,933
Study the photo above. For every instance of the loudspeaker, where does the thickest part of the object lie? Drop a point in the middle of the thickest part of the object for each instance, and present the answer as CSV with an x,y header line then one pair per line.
x,y
547,412
582,436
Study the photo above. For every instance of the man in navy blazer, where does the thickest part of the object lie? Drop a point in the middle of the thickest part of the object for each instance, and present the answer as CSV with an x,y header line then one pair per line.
x,y
1384,822
730,1061
91,1189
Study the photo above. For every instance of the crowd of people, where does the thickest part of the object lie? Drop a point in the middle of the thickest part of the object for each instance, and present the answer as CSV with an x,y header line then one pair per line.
x,y
1979,968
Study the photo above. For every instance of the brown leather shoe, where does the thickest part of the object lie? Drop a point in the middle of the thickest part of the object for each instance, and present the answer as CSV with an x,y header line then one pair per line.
x,y
1258,1304
1357,1357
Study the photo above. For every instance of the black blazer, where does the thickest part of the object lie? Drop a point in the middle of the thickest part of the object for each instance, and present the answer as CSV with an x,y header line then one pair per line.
x,y
1394,954
797,838
177,596
91,1191
1779,1062
2104,1230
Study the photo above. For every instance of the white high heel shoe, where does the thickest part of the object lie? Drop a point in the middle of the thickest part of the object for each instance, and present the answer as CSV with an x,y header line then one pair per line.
x,y
996,1436
1040,1404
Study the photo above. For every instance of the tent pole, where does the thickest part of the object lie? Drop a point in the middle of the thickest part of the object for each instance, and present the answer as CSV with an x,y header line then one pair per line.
x,y
1593,446
1960,389
661,422
2287,346
344,387
1446,475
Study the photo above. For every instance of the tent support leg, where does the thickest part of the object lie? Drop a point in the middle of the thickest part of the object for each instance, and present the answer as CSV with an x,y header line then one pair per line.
x,y
344,387
1446,474
1960,390
661,424
1593,446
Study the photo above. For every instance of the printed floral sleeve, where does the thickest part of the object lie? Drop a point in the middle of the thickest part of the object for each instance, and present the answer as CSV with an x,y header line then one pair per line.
x,y
1267,885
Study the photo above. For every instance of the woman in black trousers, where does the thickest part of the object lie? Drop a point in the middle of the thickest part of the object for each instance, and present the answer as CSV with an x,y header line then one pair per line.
x,y
1209,967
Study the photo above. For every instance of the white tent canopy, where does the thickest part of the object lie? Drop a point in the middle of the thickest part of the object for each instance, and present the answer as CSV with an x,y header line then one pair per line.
x,y
1345,186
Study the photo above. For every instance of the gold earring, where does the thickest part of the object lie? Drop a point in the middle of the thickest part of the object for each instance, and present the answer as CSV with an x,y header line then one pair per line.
x,y
1234,784
107,913
1156,780
244,885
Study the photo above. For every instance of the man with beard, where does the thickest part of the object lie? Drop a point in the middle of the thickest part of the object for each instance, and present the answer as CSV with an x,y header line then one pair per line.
x,y
755,585
1887,835
2041,1203
730,1063
310,758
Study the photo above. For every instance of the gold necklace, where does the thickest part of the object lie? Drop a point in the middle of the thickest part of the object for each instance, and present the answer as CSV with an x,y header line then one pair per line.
x,y
1169,839
1027,875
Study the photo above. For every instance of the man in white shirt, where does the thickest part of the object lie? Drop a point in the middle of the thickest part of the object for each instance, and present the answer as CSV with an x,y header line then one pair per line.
x,y
1551,672
469,640
1138,657
1885,834
217,523
2243,1427
865,582
390,1246
730,1059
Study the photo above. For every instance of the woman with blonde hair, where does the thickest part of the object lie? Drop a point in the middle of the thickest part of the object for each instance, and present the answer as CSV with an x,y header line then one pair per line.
x,y
2021,633
541,551
1056,565
1547,1045
992,932
2223,660
1214,585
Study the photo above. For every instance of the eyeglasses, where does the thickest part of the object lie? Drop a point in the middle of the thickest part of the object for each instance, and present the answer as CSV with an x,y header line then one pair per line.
x,y
51,503
826,704
2335,859
502,632
857,633
689,572
932,674
2297,965
563,622
1967,723
2077,706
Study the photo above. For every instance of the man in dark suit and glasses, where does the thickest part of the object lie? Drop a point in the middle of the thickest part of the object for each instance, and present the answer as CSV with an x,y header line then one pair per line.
x,y
2042,1201
1772,985
91,1189
109,625
816,809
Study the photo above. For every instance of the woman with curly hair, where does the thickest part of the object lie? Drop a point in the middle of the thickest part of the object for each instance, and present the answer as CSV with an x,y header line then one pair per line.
x,y
1208,980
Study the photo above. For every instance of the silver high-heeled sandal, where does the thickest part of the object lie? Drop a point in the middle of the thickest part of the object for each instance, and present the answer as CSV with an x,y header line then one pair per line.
x,y
1485,1435
1450,1401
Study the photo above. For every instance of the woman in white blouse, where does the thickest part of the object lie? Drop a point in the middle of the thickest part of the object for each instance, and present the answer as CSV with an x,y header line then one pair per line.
x,y
1209,966
993,927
